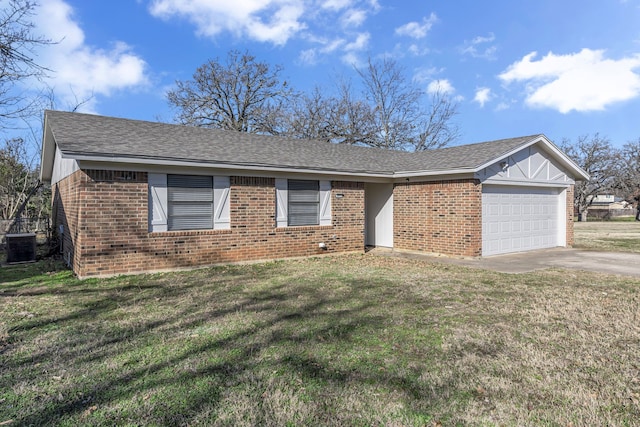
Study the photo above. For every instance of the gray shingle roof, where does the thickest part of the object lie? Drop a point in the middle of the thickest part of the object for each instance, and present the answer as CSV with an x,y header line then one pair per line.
x,y
108,137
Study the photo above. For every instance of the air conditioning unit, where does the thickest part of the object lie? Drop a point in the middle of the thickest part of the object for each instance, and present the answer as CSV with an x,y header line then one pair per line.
x,y
21,247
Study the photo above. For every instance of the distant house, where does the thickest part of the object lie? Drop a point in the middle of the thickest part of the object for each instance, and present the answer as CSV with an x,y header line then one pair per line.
x,y
133,196
607,206
610,202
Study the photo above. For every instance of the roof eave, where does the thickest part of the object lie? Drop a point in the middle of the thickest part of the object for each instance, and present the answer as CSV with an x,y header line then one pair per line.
x,y
223,165
425,173
48,151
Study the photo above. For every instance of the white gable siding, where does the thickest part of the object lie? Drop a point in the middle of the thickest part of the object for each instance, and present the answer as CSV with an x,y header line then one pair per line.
x,y
62,168
530,166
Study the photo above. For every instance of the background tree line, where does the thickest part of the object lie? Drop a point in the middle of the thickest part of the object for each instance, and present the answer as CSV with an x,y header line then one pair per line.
x,y
614,171
380,107
19,141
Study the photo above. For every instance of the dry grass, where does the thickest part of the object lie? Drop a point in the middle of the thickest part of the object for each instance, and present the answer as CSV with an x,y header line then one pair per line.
x,y
354,340
620,236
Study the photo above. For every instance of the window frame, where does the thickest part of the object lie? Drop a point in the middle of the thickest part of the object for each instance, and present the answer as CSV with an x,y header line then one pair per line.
x,y
185,192
282,203
303,201
159,205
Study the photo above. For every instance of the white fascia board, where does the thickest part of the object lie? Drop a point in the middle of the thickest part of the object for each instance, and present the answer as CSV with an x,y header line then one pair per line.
x,y
553,184
47,153
118,163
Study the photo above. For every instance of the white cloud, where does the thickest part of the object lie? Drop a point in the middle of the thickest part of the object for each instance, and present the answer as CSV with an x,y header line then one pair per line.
x,y
442,86
352,49
423,75
483,95
336,4
80,71
353,18
584,81
417,30
273,21
360,43
348,50
311,56
477,47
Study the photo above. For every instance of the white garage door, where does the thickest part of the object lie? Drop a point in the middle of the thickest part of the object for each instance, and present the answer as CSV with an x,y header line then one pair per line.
x,y
518,219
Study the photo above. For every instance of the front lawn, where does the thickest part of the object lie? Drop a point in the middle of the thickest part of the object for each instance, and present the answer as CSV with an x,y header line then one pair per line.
x,y
617,236
354,340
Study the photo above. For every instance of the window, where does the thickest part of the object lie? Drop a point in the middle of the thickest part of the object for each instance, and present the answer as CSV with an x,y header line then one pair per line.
x,y
188,202
304,201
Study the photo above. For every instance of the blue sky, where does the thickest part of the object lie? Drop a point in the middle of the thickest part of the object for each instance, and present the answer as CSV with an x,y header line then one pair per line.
x,y
562,68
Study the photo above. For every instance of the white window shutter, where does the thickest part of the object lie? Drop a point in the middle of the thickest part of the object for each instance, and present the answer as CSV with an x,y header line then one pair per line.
x,y
157,201
325,202
221,219
281,202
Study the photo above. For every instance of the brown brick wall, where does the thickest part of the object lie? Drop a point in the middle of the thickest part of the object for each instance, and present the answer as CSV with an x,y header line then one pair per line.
x,y
442,217
66,213
570,216
112,235
105,217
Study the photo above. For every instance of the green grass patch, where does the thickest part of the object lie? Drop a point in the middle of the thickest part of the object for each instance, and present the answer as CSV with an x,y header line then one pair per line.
x,y
619,244
608,236
356,340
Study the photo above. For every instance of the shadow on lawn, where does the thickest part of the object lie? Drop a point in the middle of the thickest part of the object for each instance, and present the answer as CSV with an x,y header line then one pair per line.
x,y
133,350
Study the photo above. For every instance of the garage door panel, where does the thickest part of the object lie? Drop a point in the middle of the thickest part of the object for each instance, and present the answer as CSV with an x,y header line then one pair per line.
x,y
526,218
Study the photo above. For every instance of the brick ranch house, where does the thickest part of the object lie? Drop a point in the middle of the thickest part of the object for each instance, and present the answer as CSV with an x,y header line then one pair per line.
x,y
132,196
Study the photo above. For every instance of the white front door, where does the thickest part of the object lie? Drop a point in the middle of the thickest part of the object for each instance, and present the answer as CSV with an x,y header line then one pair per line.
x,y
378,214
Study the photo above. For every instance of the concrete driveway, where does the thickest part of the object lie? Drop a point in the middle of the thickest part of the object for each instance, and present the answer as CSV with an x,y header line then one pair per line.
x,y
601,262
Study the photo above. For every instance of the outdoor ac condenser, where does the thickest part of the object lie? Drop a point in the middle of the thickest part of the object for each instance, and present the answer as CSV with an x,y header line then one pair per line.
x,y
21,247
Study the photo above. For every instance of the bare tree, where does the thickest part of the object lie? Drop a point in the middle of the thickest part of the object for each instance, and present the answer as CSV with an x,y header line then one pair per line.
x,y
599,158
16,176
350,119
341,118
436,127
242,94
18,158
390,111
395,103
309,116
17,63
